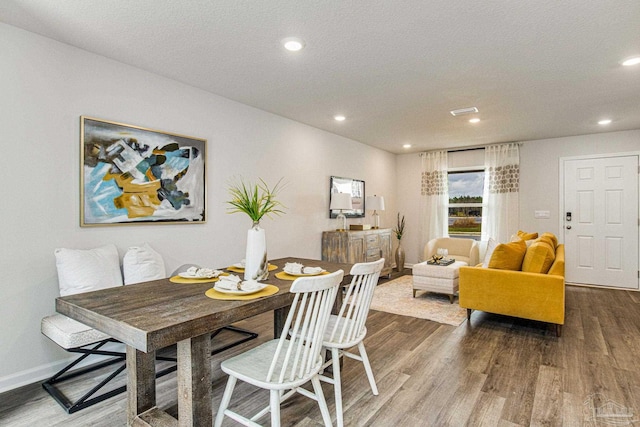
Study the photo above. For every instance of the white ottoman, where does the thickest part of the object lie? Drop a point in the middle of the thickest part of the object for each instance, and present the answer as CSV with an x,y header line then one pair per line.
x,y
437,278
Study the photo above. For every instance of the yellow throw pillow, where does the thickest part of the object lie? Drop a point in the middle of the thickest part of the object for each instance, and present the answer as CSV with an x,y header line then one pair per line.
x,y
539,257
527,236
551,237
508,256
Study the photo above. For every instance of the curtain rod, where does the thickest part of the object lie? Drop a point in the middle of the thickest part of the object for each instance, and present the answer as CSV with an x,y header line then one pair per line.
x,y
469,148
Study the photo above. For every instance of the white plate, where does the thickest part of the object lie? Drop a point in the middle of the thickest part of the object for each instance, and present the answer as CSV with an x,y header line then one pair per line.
x,y
190,276
258,288
305,274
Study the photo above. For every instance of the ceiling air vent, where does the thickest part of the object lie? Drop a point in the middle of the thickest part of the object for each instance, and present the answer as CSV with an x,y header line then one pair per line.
x,y
463,111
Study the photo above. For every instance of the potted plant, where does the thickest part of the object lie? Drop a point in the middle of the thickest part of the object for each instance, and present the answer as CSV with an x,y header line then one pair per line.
x,y
256,200
399,232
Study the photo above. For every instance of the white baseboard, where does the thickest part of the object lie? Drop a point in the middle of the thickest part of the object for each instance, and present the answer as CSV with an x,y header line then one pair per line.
x,y
42,372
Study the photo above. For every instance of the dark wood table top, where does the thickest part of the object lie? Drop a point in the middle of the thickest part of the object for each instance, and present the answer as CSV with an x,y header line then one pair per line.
x,y
156,314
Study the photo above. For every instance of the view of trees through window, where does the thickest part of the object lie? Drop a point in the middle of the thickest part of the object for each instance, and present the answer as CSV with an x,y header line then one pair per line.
x,y
465,203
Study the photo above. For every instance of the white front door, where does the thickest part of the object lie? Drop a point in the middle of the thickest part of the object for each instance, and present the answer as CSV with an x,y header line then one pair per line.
x,y
601,221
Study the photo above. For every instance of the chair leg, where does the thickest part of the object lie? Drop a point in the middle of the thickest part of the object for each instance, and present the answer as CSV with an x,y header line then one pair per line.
x,y
274,403
226,398
324,409
337,385
367,368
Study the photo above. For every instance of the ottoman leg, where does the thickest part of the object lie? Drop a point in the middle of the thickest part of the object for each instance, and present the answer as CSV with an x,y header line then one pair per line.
x,y
468,314
451,297
414,293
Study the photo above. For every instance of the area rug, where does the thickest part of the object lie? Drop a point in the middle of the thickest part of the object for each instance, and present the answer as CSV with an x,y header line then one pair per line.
x,y
396,296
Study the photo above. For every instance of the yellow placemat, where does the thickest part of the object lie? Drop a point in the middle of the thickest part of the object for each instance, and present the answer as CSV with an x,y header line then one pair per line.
x,y
284,276
269,290
241,270
178,279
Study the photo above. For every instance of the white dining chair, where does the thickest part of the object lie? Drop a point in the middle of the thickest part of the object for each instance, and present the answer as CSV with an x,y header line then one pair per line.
x,y
347,329
285,364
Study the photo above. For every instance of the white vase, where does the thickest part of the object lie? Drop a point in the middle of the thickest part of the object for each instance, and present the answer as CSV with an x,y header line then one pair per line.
x,y
256,264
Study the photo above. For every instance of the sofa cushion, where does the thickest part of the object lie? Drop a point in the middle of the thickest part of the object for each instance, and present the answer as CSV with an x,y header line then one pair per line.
x,y
552,238
539,257
527,236
508,256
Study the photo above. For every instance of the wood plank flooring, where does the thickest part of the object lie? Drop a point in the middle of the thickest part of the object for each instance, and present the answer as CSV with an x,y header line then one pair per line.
x,y
492,371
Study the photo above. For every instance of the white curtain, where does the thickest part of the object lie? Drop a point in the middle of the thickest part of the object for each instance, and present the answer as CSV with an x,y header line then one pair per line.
x,y
434,197
501,192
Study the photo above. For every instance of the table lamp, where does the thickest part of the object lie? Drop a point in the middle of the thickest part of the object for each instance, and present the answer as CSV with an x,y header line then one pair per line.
x,y
375,203
341,201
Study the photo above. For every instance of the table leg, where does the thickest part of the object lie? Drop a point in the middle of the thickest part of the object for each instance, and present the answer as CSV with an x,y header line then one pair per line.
x,y
194,381
141,382
279,318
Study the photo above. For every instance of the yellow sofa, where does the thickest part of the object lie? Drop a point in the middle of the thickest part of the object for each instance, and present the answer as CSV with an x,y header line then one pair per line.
x,y
535,296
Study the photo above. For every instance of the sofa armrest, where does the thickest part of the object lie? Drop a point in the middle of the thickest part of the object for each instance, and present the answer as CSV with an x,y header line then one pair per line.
x,y
513,293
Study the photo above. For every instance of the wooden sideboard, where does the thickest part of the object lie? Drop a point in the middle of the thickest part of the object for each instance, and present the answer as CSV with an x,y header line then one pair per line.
x,y
358,246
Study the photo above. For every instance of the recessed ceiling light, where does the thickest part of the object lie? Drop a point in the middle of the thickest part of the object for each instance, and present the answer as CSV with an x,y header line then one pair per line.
x,y
631,61
475,120
293,44
604,122
461,111
406,146
339,118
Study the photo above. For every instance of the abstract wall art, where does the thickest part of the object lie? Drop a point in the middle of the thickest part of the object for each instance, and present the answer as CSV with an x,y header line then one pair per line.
x,y
132,175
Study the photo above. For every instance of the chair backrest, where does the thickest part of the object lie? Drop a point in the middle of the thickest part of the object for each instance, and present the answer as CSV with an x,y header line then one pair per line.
x,y
297,354
461,249
353,314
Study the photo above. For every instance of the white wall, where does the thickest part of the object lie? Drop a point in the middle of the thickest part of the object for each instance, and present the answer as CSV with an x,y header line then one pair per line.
x,y
539,171
539,175
46,86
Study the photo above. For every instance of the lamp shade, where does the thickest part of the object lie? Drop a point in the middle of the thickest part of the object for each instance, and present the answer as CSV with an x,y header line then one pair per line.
x,y
341,201
375,203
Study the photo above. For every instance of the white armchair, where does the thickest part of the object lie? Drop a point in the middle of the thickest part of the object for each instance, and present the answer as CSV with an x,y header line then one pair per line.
x,y
465,250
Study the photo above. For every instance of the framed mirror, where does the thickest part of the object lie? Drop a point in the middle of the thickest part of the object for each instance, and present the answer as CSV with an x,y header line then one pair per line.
x,y
348,185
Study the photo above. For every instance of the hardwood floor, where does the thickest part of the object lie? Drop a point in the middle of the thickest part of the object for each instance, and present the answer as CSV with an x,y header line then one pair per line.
x,y
492,371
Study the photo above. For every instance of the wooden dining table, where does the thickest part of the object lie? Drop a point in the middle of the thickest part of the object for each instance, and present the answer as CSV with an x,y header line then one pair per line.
x,y
152,315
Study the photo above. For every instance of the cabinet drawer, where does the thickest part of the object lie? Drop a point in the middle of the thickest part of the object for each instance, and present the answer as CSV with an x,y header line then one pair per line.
x,y
372,240
373,254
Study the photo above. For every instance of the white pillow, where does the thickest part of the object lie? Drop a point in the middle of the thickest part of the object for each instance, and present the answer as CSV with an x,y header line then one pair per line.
x,y
141,264
491,245
84,270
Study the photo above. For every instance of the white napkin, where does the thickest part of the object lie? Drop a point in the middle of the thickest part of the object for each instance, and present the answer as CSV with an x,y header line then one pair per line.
x,y
203,272
293,268
312,270
229,282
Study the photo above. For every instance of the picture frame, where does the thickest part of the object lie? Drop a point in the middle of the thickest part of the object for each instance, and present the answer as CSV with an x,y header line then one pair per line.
x,y
356,187
134,175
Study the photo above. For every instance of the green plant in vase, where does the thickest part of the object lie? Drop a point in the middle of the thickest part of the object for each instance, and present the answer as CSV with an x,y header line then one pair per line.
x,y
399,230
399,254
256,200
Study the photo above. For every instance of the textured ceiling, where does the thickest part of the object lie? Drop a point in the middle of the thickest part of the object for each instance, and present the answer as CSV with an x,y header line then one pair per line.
x,y
535,69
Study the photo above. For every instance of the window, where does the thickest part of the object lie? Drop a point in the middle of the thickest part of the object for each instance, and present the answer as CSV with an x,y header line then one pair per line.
x,y
465,203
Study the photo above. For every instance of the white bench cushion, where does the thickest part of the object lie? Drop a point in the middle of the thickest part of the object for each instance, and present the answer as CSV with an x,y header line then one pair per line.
x,y
68,333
